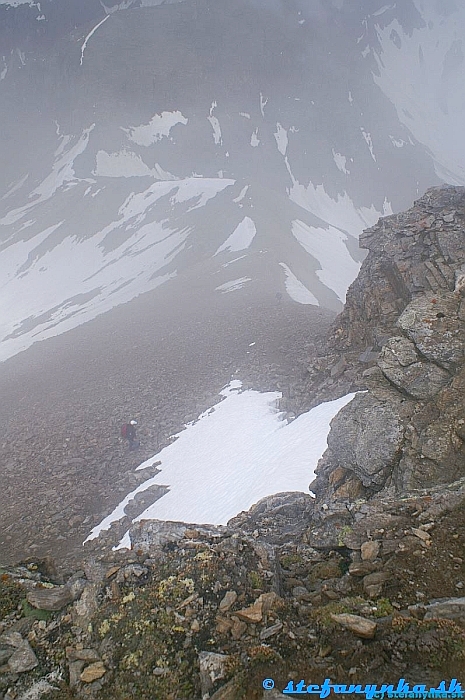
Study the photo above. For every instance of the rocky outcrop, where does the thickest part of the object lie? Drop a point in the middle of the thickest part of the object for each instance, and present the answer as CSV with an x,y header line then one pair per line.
x,y
406,311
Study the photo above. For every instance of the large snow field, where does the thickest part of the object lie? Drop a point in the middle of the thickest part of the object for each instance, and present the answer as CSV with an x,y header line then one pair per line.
x,y
236,453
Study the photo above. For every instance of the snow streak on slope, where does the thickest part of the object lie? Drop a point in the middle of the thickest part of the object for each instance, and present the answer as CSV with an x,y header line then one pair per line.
x,y
159,126
42,295
338,268
241,237
233,285
62,175
232,456
421,72
296,290
84,45
341,212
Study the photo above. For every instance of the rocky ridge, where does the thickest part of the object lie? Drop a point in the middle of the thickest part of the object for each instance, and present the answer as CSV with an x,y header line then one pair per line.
x,y
362,584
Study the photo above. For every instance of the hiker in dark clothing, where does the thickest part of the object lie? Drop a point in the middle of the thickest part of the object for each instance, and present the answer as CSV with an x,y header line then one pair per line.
x,y
130,434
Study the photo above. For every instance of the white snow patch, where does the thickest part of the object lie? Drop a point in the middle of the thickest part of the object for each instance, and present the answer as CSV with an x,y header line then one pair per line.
x,y
232,286
240,238
127,164
296,290
246,115
263,103
159,126
281,139
84,45
230,262
241,195
4,69
338,268
341,212
233,456
215,125
340,161
369,141
15,186
254,140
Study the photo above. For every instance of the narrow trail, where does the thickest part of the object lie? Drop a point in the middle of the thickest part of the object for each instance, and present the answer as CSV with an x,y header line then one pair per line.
x,y
159,359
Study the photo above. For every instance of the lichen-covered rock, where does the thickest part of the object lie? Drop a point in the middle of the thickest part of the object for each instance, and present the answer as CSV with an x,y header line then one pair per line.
x,y
401,364
432,323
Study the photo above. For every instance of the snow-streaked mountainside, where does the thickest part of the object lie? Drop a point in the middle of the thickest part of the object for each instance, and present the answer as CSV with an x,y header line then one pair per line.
x,y
252,140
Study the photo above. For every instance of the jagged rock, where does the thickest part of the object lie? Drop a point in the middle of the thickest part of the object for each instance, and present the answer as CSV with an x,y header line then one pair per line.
x,y
356,624
5,655
152,534
11,638
228,601
227,692
23,658
87,604
373,583
93,672
212,669
50,598
82,654
448,608
75,669
365,437
401,364
431,322
252,614
271,631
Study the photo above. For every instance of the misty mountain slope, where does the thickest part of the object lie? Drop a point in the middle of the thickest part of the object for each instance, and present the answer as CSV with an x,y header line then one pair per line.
x,y
144,140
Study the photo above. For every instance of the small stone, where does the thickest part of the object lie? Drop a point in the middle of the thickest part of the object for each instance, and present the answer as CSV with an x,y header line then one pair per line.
x,y
23,659
271,631
421,534
158,671
93,672
238,628
361,568
75,670
252,614
112,570
82,654
228,601
223,625
11,639
370,550
356,624
195,626
459,584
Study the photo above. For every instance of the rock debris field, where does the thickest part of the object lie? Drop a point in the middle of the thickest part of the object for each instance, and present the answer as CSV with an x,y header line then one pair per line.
x,y
158,359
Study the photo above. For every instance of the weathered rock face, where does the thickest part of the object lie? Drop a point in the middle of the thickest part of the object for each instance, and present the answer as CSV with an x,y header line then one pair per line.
x,y
408,305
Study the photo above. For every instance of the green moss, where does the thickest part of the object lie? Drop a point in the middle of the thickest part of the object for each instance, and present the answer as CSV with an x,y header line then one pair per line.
x,y
256,581
342,534
383,608
29,611
11,594
290,560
